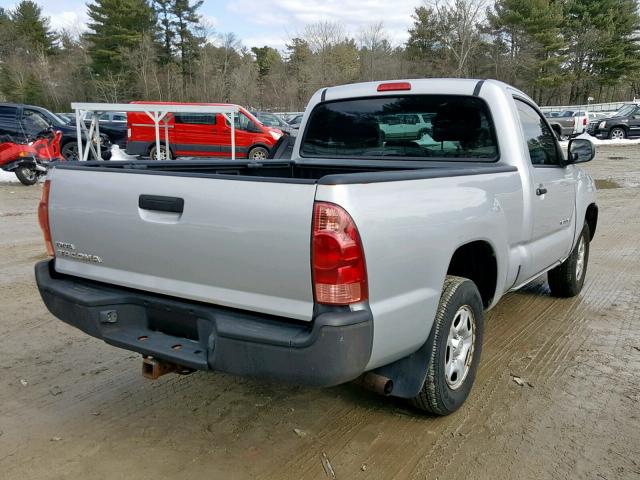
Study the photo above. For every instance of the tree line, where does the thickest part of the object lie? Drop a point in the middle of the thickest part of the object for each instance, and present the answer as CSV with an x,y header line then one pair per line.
x,y
557,51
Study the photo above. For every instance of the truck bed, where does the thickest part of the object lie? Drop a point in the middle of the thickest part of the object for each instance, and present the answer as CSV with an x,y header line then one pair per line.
x,y
323,172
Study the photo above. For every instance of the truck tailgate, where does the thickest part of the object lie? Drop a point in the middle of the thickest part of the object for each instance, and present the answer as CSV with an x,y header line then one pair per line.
x,y
237,243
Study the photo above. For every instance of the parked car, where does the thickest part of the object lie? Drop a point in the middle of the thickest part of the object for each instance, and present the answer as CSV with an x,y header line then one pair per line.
x,y
114,126
66,117
296,120
24,121
357,259
404,126
271,120
202,135
569,123
625,123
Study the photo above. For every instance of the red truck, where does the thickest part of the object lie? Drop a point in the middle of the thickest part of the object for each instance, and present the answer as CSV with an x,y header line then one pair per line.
x,y
200,135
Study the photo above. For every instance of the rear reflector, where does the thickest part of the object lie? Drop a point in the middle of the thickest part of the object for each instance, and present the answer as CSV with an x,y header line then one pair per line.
x,y
43,217
394,86
337,257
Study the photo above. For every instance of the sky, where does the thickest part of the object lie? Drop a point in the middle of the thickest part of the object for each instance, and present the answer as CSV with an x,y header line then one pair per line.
x,y
267,22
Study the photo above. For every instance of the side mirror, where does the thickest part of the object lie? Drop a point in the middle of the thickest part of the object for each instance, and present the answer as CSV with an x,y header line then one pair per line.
x,y
580,150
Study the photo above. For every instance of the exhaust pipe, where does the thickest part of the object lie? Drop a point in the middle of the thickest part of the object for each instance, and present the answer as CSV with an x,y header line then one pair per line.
x,y
376,383
152,368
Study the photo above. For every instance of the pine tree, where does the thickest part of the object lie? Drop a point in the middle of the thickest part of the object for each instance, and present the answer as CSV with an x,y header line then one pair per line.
x,y
603,46
530,31
116,26
166,26
32,27
189,42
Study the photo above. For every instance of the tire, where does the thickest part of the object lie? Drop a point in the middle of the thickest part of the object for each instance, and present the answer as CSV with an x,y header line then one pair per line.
x,y
617,133
567,279
448,382
258,153
163,149
70,151
27,176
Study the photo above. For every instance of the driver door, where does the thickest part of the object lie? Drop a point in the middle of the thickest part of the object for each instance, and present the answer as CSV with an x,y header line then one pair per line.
x,y
553,192
634,123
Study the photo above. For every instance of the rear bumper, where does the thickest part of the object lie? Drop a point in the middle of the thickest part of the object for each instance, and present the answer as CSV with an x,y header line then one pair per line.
x,y
334,348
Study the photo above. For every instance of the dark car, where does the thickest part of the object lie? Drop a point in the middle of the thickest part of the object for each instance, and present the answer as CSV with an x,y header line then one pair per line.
x,y
271,120
625,123
296,120
114,126
24,122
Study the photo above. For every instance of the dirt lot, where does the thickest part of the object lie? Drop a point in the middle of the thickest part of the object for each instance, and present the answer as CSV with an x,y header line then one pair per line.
x,y
73,407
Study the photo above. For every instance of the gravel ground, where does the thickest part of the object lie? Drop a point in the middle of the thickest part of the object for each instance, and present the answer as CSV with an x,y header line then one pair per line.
x,y
73,407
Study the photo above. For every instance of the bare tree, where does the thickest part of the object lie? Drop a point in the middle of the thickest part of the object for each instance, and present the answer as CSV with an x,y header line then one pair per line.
x,y
373,42
458,22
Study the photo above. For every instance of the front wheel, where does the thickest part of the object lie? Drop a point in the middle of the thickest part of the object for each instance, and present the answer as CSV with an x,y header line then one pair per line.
x,y
567,279
258,153
162,155
456,338
617,133
27,176
70,151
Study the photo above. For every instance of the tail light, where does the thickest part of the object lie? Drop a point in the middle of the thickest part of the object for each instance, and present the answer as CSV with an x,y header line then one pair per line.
x,y
337,258
43,217
128,132
584,121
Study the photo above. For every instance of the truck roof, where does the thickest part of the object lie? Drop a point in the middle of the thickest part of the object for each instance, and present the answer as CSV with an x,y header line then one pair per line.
x,y
460,86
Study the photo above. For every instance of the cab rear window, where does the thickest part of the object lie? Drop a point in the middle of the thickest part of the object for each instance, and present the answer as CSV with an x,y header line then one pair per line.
x,y
417,127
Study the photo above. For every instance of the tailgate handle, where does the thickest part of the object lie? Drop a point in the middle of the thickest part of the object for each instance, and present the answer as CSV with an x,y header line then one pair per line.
x,y
161,203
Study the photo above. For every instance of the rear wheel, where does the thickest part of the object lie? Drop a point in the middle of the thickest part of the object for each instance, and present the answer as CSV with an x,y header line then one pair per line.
x,y
457,343
567,279
163,153
617,133
258,153
26,175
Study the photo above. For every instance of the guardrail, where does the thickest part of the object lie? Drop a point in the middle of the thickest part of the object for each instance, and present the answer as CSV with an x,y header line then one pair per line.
x,y
593,107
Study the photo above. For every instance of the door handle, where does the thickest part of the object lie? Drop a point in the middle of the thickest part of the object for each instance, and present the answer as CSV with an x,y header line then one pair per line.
x,y
161,203
541,190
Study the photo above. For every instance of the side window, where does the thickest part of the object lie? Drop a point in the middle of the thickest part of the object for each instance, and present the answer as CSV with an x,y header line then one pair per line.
x,y
242,122
119,117
34,122
8,123
540,140
104,117
195,118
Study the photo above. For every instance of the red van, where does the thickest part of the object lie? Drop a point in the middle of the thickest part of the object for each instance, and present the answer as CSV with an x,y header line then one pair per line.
x,y
200,135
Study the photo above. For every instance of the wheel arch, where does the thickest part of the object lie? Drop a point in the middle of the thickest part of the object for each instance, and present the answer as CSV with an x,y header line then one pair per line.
x,y
259,144
620,125
153,144
467,260
591,219
476,260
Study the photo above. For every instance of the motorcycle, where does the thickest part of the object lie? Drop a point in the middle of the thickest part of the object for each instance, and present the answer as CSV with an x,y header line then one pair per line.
x,y
30,160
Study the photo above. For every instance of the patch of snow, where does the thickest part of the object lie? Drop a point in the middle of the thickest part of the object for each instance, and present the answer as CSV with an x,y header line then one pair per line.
x,y
622,142
117,154
8,177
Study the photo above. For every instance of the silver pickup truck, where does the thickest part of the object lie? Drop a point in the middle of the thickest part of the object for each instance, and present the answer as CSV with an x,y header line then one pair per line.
x,y
358,258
